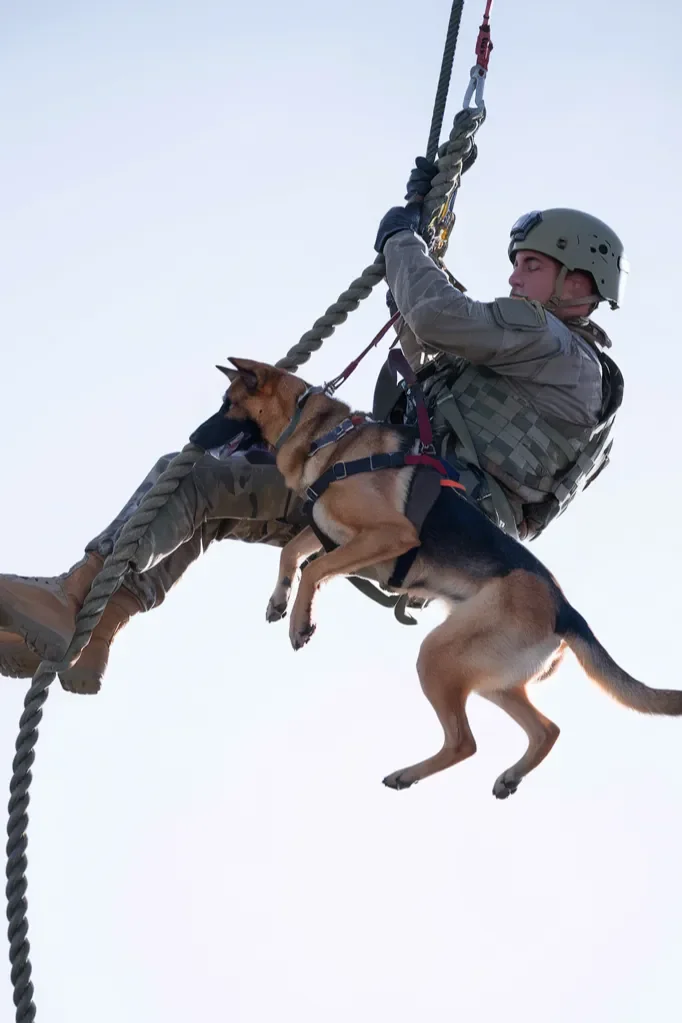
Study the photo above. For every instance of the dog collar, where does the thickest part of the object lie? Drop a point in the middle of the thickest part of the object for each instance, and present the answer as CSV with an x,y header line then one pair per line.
x,y
296,418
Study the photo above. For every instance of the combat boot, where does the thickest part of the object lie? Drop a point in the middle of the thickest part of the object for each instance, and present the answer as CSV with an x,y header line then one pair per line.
x,y
43,610
17,660
85,676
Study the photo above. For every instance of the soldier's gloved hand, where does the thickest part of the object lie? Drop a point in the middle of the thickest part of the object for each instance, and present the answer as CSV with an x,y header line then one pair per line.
x,y
398,218
424,171
421,176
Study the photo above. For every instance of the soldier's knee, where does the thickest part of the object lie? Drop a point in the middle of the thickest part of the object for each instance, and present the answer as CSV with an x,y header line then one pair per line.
x,y
237,488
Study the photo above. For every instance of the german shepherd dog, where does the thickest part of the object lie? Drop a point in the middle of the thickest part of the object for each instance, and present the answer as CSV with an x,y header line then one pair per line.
x,y
508,622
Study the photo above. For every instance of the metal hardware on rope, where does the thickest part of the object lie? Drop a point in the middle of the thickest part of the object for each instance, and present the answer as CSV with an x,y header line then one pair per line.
x,y
437,218
437,223
103,587
477,75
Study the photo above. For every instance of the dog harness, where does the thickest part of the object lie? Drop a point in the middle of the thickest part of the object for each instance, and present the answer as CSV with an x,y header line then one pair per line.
x,y
425,485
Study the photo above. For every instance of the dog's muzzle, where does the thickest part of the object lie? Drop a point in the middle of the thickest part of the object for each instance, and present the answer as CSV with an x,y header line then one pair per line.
x,y
219,431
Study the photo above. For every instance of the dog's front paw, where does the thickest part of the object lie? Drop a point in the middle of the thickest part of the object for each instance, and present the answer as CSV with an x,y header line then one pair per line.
x,y
506,785
400,779
279,601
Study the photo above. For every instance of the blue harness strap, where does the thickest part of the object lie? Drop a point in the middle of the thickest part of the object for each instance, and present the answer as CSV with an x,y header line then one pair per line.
x,y
341,470
344,427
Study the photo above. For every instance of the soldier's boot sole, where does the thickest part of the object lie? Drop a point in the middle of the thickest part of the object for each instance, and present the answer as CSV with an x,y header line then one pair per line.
x,y
16,660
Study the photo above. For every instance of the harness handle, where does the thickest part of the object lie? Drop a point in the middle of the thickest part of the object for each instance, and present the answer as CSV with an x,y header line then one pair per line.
x,y
398,362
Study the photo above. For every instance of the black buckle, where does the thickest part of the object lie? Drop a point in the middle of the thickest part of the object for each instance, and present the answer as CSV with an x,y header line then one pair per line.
x,y
339,470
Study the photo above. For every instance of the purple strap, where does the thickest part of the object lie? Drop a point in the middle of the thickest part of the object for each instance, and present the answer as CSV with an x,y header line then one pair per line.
x,y
398,362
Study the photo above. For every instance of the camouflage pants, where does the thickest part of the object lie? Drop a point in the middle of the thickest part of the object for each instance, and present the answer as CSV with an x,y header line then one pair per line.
x,y
242,497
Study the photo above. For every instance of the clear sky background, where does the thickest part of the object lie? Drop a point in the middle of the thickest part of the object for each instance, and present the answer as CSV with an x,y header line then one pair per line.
x,y
209,837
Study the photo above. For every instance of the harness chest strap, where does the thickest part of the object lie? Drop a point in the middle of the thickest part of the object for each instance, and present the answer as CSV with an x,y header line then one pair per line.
x,y
344,427
394,460
371,463
426,497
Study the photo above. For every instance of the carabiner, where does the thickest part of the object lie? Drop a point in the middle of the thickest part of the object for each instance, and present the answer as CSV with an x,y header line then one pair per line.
x,y
475,88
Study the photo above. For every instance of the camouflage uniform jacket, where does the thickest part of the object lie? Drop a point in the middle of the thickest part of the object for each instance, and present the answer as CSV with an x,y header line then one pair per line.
x,y
527,398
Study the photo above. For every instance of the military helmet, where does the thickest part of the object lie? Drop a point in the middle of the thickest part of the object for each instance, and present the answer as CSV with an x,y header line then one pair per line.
x,y
579,242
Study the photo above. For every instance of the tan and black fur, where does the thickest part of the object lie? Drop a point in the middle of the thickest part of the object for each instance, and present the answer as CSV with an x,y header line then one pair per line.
x,y
508,622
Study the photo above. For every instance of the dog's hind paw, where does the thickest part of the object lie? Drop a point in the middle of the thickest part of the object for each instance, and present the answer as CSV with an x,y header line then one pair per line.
x,y
506,785
299,637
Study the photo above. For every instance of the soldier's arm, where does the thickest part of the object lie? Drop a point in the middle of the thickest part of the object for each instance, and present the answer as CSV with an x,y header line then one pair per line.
x,y
510,335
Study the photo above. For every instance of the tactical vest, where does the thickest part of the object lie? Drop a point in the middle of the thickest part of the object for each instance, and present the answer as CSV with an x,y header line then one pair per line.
x,y
530,465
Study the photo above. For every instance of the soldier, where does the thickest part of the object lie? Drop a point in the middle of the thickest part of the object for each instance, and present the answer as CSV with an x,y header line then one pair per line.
x,y
521,394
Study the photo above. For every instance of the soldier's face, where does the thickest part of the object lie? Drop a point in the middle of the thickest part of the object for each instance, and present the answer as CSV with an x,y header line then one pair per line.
x,y
534,276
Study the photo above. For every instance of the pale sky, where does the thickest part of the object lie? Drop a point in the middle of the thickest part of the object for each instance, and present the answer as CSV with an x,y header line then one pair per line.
x,y
209,837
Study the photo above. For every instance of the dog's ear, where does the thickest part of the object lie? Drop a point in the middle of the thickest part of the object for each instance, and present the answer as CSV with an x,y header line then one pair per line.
x,y
253,374
231,374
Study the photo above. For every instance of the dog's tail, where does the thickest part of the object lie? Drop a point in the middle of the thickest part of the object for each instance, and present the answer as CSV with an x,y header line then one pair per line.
x,y
602,669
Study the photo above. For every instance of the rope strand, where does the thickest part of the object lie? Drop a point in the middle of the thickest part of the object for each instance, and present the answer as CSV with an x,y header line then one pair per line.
x,y
444,77
104,586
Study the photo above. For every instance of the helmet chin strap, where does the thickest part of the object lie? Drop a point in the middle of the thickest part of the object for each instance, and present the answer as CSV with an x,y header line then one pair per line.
x,y
555,301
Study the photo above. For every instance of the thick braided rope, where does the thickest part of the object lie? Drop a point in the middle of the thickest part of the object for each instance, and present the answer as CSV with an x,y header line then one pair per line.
x,y
444,77
104,586
451,157
453,154
336,314
108,580
362,286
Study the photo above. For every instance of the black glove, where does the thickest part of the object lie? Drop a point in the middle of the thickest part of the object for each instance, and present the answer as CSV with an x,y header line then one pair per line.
x,y
398,218
424,171
419,181
408,218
